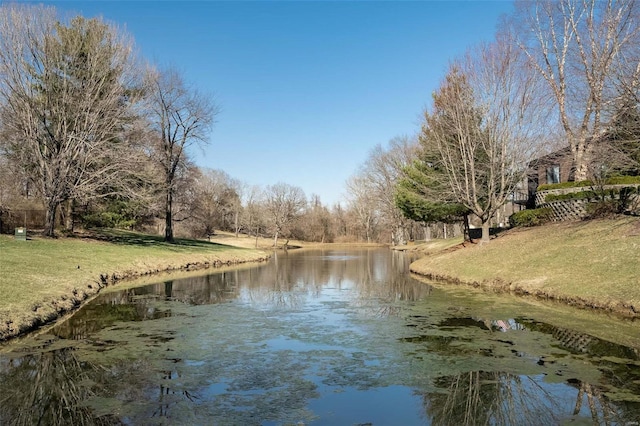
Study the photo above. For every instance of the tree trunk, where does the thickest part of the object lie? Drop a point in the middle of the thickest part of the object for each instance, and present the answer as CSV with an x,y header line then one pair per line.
x,y
50,220
257,230
580,169
68,217
485,232
275,240
168,227
465,224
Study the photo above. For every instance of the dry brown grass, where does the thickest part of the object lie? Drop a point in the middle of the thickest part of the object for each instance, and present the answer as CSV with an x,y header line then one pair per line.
x,y
589,264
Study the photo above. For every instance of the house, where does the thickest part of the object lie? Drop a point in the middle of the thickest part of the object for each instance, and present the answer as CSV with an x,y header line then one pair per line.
x,y
555,167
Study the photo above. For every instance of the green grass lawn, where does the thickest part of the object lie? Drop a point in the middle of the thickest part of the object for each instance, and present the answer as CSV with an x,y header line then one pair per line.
x,y
595,262
42,276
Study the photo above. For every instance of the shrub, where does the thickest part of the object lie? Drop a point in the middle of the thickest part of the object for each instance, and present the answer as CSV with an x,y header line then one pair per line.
x,y
602,209
107,220
615,180
532,217
623,180
564,185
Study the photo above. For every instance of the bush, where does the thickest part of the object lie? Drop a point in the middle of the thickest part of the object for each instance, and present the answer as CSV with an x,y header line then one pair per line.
x,y
107,220
623,180
564,185
615,201
602,209
615,180
532,217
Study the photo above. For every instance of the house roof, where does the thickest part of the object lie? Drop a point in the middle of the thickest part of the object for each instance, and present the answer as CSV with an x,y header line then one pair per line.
x,y
551,157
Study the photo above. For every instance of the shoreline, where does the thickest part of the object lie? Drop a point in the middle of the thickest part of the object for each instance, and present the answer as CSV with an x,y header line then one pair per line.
x,y
47,313
584,264
498,286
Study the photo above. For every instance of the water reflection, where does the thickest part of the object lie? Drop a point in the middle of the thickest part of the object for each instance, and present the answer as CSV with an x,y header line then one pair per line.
x,y
49,388
312,338
501,397
490,397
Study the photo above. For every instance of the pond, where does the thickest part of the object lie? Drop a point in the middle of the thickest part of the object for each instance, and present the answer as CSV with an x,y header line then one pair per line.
x,y
334,337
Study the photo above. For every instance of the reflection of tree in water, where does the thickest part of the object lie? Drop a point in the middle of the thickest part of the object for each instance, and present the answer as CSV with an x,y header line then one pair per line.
x,y
289,278
384,277
275,284
140,303
618,375
56,388
285,282
202,290
481,397
49,388
489,397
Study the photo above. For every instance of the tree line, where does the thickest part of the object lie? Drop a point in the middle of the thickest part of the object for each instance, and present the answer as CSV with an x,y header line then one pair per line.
x,y
96,136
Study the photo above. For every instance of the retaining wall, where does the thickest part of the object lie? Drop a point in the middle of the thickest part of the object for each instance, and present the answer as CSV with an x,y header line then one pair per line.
x,y
570,209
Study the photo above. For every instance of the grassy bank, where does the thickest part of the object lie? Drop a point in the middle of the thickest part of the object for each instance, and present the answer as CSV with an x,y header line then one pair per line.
x,y
587,264
431,247
43,278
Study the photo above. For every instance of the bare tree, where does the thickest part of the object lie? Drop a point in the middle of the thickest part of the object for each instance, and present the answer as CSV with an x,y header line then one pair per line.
x,y
251,217
217,200
283,204
585,51
484,124
375,184
180,118
361,201
317,223
65,97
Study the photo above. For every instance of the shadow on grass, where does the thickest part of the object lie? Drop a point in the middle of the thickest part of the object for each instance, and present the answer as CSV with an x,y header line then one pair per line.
x,y
122,237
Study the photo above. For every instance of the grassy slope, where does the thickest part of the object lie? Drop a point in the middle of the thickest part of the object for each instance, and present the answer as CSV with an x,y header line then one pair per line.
x,y
435,246
593,263
41,278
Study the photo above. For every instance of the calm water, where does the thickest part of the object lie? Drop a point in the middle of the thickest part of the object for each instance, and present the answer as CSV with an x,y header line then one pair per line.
x,y
322,338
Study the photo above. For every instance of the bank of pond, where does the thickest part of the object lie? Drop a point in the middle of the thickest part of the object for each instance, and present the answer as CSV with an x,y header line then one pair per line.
x,y
321,337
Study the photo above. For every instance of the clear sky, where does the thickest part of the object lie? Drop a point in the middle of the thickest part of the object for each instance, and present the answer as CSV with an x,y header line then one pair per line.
x,y
306,88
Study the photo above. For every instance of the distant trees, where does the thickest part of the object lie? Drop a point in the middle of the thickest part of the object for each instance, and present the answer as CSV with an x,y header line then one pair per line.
x,y
180,117
66,92
318,223
363,205
252,218
283,203
372,190
217,203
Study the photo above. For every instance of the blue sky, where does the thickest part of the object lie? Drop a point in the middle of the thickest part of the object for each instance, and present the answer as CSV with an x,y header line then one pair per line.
x,y
306,89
